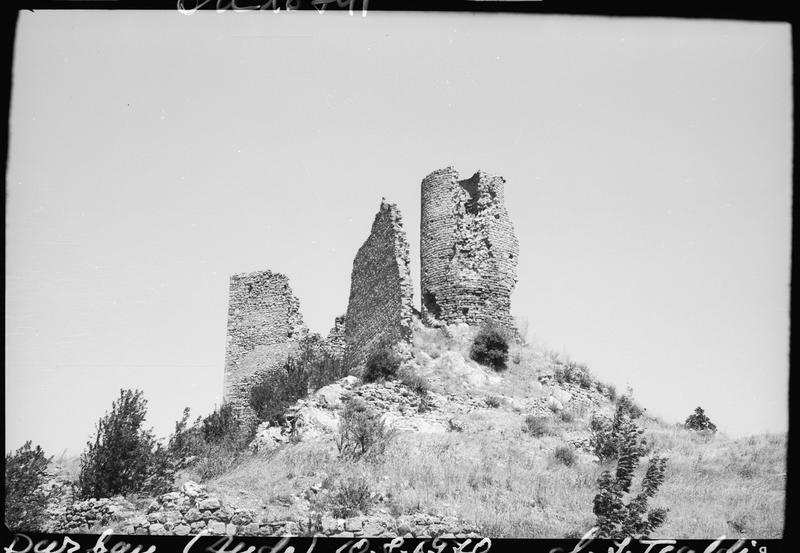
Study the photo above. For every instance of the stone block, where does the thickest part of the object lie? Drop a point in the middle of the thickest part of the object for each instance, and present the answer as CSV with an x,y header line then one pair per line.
x,y
216,528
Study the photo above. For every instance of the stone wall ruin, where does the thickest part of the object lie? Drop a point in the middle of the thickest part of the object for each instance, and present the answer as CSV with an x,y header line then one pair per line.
x,y
381,303
468,250
264,328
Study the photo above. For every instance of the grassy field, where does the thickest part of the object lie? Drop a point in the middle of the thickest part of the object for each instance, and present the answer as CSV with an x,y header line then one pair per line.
x,y
509,484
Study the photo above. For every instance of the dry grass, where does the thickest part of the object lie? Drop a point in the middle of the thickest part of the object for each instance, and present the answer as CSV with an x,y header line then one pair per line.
x,y
509,483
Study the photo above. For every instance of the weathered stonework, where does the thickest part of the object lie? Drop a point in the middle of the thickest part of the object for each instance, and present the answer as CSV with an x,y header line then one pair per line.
x,y
264,328
380,306
335,343
468,250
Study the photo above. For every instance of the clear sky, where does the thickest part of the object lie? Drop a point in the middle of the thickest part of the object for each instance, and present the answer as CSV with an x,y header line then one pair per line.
x,y
153,154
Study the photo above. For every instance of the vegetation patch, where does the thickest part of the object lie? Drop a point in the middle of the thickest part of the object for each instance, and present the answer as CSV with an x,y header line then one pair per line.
x,y
490,348
25,500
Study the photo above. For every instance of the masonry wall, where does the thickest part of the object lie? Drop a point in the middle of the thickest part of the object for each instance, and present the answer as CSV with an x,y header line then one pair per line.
x,y
335,342
381,302
264,327
468,250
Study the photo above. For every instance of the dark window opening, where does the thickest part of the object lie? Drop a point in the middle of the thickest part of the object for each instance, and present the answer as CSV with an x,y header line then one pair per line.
x,y
471,187
430,304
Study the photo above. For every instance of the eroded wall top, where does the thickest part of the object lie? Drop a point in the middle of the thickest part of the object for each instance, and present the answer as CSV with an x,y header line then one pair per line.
x,y
381,303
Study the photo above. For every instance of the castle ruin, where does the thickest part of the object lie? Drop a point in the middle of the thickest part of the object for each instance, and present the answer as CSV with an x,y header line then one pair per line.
x,y
468,250
468,254
264,327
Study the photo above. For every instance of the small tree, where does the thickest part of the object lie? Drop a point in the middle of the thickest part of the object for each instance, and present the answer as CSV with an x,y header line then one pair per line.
x,y
490,347
124,457
606,433
615,518
362,432
26,501
700,421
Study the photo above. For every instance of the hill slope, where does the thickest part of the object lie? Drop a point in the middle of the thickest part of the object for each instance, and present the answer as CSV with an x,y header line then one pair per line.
x,y
498,454
467,455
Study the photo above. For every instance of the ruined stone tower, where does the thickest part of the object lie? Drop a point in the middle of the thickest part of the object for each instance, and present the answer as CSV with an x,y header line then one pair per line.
x,y
380,305
468,250
264,327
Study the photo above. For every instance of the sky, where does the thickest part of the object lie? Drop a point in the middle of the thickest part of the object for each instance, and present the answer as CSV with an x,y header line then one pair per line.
x,y
154,154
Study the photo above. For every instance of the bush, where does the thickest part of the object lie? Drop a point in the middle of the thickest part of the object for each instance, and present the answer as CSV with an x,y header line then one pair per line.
x,y
211,445
699,421
312,367
362,432
493,402
490,348
537,426
124,457
415,381
26,501
566,416
353,496
382,364
566,455
275,390
615,518
606,434
574,373
221,425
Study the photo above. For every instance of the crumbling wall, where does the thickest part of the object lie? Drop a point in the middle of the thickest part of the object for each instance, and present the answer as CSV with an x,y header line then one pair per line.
x,y
468,250
264,328
381,303
335,343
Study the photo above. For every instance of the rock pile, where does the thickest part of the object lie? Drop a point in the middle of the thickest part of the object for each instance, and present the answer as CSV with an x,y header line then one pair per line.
x,y
60,492
87,516
418,525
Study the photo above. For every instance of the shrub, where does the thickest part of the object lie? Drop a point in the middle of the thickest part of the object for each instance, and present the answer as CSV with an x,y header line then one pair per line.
x,y
26,501
325,368
312,367
381,364
415,381
274,391
316,366
186,441
124,457
699,421
574,373
490,348
215,459
606,434
566,455
362,432
537,426
493,402
610,392
615,518
583,377
220,425
211,445
353,496
567,416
